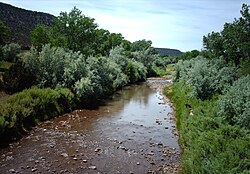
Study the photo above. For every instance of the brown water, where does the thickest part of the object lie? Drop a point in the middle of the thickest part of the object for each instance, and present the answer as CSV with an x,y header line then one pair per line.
x,y
132,133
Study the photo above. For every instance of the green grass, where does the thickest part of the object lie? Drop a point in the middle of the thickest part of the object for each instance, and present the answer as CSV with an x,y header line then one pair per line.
x,y
25,109
209,144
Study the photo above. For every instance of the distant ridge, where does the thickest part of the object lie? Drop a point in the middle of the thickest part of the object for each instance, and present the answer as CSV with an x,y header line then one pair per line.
x,y
21,22
168,51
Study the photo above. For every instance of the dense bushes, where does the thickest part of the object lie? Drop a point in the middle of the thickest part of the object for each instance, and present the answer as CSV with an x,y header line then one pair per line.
x,y
23,110
17,78
205,77
215,137
92,77
10,52
235,104
209,143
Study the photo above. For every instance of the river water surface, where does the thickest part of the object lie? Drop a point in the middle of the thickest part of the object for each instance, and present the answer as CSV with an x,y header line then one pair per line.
x,y
134,132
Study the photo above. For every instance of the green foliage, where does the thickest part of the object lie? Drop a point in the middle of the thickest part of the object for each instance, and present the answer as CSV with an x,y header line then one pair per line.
x,y
75,69
84,89
106,75
4,66
23,110
146,57
136,71
233,41
118,55
244,68
10,52
40,36
74,31
205,77
48,65
209,144
235,104
141,45
17,78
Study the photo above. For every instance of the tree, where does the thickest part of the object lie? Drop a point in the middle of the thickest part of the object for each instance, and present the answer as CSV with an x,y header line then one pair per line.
x,y
233,42
214,42
105,41
74,31
141,45
40,36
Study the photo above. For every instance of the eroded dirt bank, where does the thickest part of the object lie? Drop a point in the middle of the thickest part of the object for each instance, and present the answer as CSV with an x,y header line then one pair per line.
x,y
132,133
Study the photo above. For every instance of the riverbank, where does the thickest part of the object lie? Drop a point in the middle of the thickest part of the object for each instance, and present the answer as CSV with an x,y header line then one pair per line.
x,y
208,143
160,84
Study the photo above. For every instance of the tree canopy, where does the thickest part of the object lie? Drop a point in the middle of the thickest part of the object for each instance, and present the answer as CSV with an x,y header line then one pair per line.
x,y
233,42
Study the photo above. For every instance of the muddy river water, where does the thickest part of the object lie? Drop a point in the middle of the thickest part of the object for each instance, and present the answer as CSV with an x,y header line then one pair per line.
x,y
134,132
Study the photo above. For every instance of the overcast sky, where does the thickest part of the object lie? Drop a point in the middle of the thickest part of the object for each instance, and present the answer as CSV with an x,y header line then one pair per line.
x,y
178,24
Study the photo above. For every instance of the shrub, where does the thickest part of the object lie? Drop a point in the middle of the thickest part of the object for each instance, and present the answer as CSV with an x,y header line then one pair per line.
x,y
17,78
210,145
48,65
23,110
235,104
11,51
75,69
106,76
205,77
136,71
84,89
118,56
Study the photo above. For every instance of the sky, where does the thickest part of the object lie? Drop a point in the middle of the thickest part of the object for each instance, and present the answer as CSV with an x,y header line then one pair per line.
x,y
176,24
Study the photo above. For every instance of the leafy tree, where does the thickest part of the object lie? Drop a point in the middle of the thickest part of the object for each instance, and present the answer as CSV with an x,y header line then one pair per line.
x,y
214,42
40,36
233,42
205,77
74,31
141,45
136,71
105,41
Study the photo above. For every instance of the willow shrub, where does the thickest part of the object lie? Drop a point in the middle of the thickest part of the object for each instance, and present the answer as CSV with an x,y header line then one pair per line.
x,y
10,52
210,145
205,77
25,109
235,104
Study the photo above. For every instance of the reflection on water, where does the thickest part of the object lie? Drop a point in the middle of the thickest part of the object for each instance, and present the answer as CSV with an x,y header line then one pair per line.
x,y
132,132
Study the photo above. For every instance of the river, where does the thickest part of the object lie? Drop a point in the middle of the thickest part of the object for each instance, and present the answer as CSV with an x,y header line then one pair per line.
x,y
134,132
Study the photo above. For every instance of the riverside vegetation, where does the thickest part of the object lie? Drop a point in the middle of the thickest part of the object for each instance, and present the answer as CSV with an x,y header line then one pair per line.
x,y
71,64
211,95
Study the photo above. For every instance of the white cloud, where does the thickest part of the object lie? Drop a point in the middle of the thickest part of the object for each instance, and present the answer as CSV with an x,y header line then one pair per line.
x,y
177,24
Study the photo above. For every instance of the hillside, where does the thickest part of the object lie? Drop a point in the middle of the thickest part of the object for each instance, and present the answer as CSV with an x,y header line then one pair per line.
x,y
168,51
21,22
